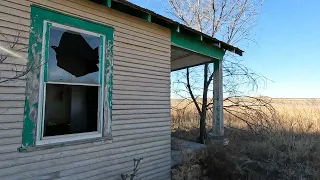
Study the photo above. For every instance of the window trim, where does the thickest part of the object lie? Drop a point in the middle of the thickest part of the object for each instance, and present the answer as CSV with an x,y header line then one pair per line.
x,y
35,77
40,139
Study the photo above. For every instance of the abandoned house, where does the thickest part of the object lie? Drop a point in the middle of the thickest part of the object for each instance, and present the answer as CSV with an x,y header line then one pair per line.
x,y
85,87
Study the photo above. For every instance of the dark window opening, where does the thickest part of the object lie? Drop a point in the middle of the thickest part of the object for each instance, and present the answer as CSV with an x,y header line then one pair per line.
x,y
70,109
73,57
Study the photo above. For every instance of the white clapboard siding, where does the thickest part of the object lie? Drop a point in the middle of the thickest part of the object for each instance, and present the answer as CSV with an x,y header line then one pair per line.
x,y
135,136
120,78
11,74
16,158
5,66
11,125
63,157
11,97
13,5
11,104
11,118
14,39
119,107
142,58
15,63
82,172
139,82
7,141
140,70
118,165
13,83
140,120
17,46
123,21
8,149
141,100
10,90
157,175
137,116
139,63
140,125
71,162
10,133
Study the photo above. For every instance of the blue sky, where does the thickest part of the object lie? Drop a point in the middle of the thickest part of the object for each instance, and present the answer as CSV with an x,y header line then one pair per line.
x,y
287,47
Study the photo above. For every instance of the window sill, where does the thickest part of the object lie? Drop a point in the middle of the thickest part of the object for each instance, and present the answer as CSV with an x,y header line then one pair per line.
x,y
103,140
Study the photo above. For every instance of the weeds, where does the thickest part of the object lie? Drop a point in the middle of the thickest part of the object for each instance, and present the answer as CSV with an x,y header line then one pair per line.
x,y
290,149
135,170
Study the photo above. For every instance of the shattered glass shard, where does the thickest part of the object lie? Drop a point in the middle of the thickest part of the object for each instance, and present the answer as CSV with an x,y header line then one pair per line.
x,y
75,55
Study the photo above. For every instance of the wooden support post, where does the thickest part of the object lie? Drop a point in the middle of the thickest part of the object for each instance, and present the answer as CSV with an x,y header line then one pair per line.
x,y
218,122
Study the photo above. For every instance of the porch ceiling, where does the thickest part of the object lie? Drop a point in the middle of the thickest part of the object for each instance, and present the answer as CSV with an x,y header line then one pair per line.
x,y
182,58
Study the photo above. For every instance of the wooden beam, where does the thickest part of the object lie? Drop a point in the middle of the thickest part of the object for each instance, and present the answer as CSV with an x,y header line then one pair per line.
x,y
193,43
218,121
103,2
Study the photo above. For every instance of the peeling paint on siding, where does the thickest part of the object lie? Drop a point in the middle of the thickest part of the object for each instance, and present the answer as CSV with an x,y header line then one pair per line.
x,y
108,86
32,89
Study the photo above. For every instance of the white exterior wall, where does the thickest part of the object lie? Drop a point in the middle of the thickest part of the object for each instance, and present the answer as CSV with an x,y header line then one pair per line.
x,y
141,101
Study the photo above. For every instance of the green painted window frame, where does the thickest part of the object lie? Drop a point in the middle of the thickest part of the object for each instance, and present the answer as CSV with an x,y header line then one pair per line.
x,y
41,20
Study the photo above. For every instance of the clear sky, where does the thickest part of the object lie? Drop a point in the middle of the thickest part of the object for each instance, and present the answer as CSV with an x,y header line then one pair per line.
x,y
287,48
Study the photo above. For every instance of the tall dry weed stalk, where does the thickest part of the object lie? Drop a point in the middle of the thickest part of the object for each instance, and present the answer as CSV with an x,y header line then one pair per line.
x,y
284,144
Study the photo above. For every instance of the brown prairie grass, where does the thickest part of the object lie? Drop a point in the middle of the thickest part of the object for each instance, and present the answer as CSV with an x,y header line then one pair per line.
x,y
290,150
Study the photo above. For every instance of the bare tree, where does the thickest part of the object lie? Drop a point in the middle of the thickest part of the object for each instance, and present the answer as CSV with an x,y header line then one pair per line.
x,y
231,21
13,49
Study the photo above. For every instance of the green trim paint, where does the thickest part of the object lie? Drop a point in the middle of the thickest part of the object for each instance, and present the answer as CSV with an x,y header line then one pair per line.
x,y
194,43
38,17
29,126
108,3
147,17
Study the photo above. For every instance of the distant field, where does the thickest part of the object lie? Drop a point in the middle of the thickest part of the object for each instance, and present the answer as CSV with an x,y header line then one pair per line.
x,y
296,113
283,143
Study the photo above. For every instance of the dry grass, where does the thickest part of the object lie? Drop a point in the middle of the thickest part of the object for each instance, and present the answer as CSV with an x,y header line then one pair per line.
x,y
291,150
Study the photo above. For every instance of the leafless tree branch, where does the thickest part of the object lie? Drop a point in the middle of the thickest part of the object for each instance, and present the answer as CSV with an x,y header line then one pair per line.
x,y
231,21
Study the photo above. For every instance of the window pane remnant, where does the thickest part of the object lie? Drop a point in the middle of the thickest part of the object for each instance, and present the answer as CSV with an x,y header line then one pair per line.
x,y
70,109
73,57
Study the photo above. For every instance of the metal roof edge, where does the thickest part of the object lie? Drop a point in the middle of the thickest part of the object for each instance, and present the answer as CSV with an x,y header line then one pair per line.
x,y
148,15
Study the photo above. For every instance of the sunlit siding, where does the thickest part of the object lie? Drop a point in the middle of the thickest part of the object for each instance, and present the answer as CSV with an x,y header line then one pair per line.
x,y
141,101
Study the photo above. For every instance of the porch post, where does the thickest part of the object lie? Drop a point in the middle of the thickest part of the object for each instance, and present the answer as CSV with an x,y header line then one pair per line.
x,y
217,123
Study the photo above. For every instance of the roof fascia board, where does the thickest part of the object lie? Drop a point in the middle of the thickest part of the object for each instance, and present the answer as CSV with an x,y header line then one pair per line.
x,y
134,10
194,43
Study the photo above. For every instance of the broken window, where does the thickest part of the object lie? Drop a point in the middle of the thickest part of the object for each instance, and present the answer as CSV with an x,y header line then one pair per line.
x,y
73,57
69,85
73,92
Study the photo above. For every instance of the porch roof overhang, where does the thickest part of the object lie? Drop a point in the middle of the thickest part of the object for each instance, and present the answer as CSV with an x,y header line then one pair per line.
x,y
188,51
185,40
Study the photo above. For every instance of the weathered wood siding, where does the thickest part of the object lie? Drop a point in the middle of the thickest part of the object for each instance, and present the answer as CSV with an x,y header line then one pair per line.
x,y
141,101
